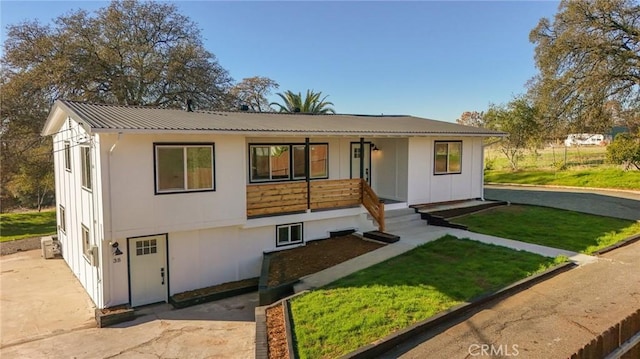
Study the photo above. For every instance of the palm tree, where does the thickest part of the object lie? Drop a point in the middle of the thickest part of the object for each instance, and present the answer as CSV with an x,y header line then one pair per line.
x,y
311,104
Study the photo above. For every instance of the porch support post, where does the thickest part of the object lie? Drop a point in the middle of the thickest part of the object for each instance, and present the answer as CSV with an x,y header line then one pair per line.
x,y
307,169
361,157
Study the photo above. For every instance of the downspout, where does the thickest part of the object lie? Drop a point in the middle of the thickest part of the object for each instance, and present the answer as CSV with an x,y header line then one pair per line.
x,y
107,268
307,170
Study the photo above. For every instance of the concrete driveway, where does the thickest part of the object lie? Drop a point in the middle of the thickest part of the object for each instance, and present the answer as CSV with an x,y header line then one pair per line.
x,y
611,203
45,313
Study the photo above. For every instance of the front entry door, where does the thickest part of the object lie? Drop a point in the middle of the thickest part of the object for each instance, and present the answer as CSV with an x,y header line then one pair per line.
x,y
148,270
356,157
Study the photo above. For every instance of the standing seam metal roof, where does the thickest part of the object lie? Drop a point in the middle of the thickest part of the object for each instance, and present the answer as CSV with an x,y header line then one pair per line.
x,y
115,118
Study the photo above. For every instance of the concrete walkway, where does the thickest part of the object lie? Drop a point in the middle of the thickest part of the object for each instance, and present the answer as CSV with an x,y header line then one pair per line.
x,y
414,233
611,203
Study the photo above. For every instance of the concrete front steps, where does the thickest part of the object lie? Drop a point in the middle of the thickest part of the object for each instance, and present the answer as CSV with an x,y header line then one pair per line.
x,y
413,220
440,214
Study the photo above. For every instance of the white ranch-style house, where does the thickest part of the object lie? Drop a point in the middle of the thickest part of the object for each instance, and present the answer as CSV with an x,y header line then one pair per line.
x,y
153,202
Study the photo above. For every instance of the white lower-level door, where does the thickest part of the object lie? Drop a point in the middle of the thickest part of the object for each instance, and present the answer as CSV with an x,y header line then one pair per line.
x,y
148,270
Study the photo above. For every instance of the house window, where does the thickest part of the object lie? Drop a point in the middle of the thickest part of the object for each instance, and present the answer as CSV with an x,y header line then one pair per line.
x,y
67,156
448,157
63,220
146,247
86,242
285,162
85,152
287,234
184,168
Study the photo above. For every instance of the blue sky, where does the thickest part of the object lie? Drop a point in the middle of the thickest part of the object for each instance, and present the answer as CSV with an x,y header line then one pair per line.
x,y
431,59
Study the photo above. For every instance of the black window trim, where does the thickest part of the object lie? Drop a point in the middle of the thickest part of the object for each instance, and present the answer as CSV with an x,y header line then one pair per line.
x,y
278,226
155,166
85,170
63,219
66,155
85,251
435,143
291,175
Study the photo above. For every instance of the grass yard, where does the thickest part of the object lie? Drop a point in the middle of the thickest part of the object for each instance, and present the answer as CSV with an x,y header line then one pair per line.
x,y
551,227
372,303
26,225
550,158
600,177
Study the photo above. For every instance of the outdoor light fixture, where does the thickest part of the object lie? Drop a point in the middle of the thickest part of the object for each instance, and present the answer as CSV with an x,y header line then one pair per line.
x,y
375,148
117,251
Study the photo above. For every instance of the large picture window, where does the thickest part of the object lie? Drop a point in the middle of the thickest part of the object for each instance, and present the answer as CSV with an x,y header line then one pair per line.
x,y
448,157
285,162
184,168
85,153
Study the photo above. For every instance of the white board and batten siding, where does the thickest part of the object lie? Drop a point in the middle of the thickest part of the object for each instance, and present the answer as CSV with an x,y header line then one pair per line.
x,y
426,187
82,207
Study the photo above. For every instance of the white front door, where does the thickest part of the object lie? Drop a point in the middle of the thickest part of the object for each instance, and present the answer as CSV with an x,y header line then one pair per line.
x,y
357,157
148,270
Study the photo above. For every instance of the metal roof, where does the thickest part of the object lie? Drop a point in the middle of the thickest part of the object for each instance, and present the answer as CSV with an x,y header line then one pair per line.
x,y
131,119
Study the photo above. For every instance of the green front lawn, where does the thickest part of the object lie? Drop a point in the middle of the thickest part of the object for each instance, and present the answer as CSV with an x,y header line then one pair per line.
x,y
600,177
578,232
372,303
26,225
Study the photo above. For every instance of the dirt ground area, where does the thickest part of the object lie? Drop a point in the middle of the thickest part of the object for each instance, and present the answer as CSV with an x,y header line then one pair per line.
x,y
315,256
276,333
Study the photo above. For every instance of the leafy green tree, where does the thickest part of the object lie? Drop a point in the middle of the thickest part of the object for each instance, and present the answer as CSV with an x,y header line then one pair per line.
x,y
253,92
587,55
128,53
471,118
33,182
519,118
625,150
312,103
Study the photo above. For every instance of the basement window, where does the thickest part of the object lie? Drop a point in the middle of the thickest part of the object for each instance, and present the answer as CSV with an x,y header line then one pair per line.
x,y
287,234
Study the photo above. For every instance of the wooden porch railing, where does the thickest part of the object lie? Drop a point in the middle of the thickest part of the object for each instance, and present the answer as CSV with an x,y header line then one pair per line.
x,y
289,197
372,203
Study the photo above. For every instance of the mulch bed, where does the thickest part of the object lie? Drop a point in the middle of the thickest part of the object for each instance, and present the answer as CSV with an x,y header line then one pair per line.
x,y
315,256
298,262
276,335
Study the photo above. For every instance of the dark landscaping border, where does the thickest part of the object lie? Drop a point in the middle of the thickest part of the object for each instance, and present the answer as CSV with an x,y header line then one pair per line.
x,y
110,316
183,303
392,340
625,242
268,295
